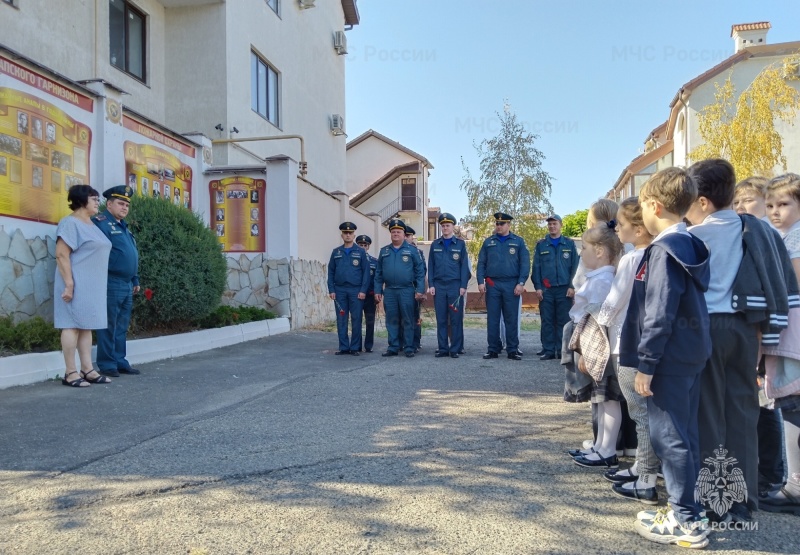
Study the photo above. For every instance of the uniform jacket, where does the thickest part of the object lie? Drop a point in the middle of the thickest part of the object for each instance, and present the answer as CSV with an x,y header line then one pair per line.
x,y
123,262
400,269
765,287
507,259
373,264
554,266
666,329
449,264
348,270
424,265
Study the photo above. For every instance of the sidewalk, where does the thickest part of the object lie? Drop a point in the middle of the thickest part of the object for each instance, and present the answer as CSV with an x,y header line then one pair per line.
x,y
277,446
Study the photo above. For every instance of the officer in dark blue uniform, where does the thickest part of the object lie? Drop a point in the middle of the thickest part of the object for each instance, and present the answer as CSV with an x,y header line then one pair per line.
x,y
503,268
448,277
399,281
348,282
123,282
555,260
411,239
370,306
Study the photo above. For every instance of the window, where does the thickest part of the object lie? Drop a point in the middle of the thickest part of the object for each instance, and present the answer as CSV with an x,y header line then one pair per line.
x,y
272,4
263,89
11,2
127,38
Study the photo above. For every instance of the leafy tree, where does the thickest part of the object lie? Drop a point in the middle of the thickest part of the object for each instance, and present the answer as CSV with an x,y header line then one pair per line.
x,y
511,180
742,129
575,223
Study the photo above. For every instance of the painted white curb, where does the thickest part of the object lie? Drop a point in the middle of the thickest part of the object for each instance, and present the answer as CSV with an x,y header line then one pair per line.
x,y
36,367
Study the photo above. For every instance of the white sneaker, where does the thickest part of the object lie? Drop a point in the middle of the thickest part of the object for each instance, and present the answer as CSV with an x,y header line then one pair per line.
x,y
665,529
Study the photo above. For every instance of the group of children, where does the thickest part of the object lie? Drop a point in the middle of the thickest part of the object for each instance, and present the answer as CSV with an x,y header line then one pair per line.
x,y
675,333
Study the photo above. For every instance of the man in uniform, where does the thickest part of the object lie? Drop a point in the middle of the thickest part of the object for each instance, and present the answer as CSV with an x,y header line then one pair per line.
x,y
411,239
123,282
448,277
555,261
503,264
399,281
348,281
370,306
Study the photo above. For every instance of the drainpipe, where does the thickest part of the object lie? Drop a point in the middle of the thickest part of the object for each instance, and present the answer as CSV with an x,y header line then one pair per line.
x,y
303,163
687,123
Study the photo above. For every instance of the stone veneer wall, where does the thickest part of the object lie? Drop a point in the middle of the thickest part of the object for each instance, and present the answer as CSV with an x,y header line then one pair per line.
x,y
27,273
297,288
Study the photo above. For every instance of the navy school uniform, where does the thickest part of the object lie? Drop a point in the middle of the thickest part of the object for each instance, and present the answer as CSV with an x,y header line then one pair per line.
x,y
400,273
123,267
448,273
348,275
503,263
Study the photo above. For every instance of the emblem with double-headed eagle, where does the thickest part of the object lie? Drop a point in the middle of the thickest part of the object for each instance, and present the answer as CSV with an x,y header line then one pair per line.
x,y
721,484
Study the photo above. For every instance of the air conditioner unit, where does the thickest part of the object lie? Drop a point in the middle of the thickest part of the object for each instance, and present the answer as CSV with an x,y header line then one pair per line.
x,y
337,124
340,42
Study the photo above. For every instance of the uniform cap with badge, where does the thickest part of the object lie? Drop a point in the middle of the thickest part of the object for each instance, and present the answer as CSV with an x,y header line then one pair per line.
x,y
502,217
396,223
410,230
363,239
446,218
124,192
348,226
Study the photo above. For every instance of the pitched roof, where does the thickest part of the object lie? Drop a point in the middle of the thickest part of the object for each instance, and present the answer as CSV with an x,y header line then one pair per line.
x,y
750,26
351,16
411,167
372,133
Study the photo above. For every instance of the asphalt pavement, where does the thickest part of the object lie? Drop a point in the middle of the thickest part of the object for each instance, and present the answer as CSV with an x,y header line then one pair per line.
x,y
277,446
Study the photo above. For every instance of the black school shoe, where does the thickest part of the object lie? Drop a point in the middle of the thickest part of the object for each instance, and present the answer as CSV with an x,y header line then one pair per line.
x,y
648,496
616,476
607,462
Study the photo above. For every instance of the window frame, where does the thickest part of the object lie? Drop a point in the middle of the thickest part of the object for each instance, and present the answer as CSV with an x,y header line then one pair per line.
x,y
128,9
274,5
12,3
271,103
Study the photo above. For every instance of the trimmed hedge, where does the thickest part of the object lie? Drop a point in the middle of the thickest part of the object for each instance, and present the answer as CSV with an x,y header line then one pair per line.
x,y
182,269
34,335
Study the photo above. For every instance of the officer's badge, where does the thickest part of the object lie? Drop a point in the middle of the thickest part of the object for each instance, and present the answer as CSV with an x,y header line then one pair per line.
x,y
566,255
456,256
405,258
512,250
356,262
128,192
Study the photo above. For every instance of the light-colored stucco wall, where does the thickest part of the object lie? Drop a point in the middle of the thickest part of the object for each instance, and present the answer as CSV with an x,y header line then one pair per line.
x,y
370,160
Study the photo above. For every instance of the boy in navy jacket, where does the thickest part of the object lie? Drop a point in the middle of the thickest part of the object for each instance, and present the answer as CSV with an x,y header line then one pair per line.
x,y
666,336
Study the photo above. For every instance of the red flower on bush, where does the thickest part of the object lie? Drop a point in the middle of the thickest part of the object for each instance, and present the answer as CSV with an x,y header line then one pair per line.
x,y
148,294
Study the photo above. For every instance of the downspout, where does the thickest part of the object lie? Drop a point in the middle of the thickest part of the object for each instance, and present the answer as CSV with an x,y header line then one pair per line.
x,y
686,131
303,163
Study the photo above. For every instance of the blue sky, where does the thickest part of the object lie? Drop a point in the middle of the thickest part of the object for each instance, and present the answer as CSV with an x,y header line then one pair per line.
x,y
591,78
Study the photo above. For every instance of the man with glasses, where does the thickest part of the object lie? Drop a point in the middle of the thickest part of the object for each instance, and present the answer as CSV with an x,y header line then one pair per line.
x,y
555,260
123,282
503,266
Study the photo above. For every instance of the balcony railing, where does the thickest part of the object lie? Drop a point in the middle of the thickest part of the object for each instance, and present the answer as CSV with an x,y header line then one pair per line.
x,y
402,204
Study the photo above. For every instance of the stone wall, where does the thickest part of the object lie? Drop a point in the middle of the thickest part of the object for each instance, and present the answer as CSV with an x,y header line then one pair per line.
x,y
310,304
27,272
258,282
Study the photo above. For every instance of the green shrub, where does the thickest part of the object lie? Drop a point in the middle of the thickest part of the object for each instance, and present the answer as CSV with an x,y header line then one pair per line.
x,y
230,315
181,265
34,335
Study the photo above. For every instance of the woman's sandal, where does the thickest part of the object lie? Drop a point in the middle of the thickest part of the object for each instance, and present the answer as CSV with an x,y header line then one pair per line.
x,y
80,382
98,379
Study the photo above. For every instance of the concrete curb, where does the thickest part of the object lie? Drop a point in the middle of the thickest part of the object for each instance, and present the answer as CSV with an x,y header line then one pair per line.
x,y
36,367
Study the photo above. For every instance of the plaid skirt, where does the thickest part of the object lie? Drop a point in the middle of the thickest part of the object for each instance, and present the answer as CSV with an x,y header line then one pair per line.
x,y
607,389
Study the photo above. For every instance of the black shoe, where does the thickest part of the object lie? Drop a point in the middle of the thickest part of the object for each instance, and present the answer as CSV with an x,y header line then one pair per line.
x,y
355,353
342,353
540,352
608,462
367,350
489,355
410,354
111,373
649,496
558,355
131,371
520,353
441,354
614,477
740,513
788,503
579,452
389,354
462,352
514,356
453,355
547,356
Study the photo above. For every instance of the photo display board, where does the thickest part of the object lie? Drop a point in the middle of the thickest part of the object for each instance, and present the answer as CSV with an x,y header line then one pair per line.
x,y
43,149
237,213
157,172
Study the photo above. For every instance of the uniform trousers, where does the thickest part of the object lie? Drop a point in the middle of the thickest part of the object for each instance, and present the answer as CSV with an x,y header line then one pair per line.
x,y
349,308
449,314
554,311
502,303
111,342
370,308
398,304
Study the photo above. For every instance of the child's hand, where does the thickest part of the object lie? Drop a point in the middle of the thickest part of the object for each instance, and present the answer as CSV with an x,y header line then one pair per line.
x,y
582,365
642,384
